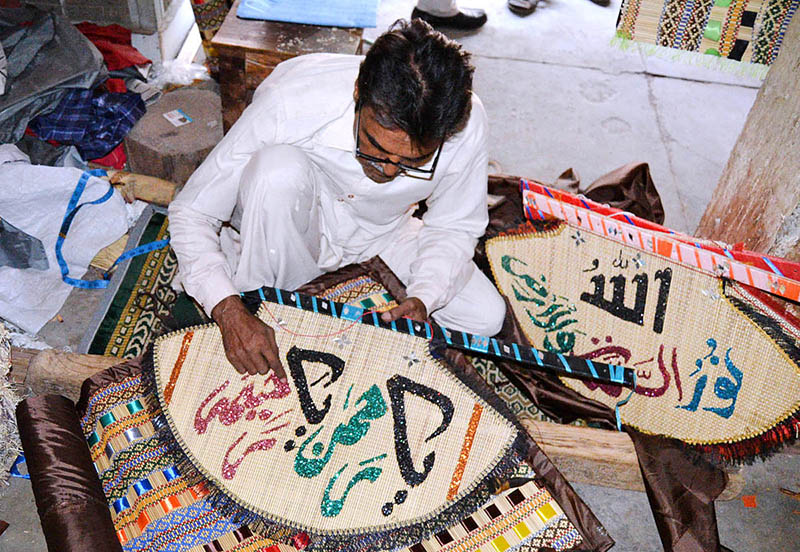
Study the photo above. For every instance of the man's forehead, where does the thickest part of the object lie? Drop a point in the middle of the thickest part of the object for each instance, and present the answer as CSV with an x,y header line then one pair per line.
x,y
391,141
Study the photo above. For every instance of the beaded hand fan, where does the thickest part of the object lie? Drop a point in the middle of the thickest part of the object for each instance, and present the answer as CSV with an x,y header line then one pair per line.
x,y
370,443
717,366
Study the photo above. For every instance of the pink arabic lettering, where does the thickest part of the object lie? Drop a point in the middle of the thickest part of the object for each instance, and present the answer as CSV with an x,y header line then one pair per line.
x,y
616,354
229,469
247,404
231,411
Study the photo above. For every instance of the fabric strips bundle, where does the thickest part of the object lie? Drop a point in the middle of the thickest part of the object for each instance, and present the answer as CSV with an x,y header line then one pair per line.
x,y
372,431
746,31
717,364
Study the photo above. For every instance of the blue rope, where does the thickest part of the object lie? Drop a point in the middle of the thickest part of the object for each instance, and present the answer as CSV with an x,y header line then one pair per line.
x,y
623,402
72,209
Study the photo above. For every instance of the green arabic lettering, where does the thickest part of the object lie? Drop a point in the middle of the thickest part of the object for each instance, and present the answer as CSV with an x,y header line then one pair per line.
x,y
344,434
565,342
331,507
530,281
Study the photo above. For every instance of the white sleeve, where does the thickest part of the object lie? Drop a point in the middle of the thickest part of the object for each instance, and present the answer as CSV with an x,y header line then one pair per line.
x,y
209,197
457,216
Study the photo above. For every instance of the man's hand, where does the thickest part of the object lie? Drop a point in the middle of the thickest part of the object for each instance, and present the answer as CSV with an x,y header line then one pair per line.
x,y
410,308
249,343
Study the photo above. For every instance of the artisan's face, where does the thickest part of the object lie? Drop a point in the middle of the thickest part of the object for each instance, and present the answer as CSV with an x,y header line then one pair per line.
x,y
389,145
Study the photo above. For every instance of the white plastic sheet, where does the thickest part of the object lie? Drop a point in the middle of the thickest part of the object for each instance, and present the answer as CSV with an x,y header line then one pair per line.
x,y
34,199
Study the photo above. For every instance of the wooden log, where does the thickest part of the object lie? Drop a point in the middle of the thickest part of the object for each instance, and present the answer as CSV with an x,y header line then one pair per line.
x,y
146,188
589,455
757,200
51,371
155,147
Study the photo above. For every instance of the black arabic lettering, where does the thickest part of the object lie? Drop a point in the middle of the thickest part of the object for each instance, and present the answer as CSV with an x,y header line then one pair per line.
x,y
398,386
295,358
595,266
619,262
664,278
616,306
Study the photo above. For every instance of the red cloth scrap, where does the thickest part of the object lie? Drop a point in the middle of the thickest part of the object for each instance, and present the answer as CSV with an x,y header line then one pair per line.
x,y
114,42
749,501
115,159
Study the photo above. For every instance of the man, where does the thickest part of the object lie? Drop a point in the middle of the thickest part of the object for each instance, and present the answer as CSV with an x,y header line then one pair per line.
x,y
324,169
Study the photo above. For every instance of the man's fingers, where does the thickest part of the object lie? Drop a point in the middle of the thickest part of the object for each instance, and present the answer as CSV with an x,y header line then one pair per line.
x,y
276,366
396,313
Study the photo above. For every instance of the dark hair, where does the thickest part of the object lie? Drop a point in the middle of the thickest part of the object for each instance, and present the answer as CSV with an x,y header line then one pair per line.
x,y
416,79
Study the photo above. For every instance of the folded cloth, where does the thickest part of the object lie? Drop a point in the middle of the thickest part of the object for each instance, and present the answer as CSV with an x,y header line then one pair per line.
x,y
93,121
46,55
114,42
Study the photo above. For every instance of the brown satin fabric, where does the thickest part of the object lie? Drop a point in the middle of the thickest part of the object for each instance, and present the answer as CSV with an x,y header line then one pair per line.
x,y
681,488
70,500
685,517
630,188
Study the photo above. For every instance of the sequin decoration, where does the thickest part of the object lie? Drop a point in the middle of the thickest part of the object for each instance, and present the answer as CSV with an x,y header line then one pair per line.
x,y
474,420
295,358
176,369
399,385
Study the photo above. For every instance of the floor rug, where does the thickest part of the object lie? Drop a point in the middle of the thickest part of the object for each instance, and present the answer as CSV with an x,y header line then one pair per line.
x,y
139,299
746,31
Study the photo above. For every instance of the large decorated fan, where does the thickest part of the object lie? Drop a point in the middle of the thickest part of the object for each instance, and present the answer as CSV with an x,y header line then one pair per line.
x,y
371,441
716,364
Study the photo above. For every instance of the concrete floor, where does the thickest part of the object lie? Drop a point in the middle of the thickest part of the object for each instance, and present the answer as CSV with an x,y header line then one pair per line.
x,y
559,96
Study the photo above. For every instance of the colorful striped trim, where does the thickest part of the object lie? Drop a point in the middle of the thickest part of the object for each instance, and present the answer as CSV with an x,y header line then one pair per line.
x,y
127,390
664,245
181,529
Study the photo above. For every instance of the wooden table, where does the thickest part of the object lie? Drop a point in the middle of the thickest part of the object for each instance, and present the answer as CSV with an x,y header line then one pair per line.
x,y
249,50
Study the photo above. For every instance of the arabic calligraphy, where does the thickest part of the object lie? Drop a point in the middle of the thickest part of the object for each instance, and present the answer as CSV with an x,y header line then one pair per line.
x,y
295,359
616,306
725,388
616,354
313,454
556,312
245,405
398,386
344,434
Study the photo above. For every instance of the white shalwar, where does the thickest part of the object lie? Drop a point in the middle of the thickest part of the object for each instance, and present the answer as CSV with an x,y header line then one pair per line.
x,y
295,203
440,8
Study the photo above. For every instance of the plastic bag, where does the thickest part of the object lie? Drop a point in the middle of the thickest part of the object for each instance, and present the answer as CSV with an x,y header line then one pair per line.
x,y
176,72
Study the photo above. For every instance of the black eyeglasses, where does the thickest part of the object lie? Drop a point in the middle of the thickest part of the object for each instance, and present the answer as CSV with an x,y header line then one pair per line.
x,y
412,172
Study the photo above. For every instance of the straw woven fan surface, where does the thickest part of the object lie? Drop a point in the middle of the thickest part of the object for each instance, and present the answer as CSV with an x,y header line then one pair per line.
x,y
717,363
377,442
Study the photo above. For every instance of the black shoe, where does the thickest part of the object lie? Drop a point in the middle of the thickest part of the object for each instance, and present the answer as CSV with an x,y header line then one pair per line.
x,y
525,7
465,20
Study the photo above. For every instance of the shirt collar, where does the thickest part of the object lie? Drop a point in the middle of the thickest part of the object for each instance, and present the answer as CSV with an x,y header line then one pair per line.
x,y
338,133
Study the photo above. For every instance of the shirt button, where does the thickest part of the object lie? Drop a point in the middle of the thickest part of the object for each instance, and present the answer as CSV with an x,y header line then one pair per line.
x,y
350,196
340,199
